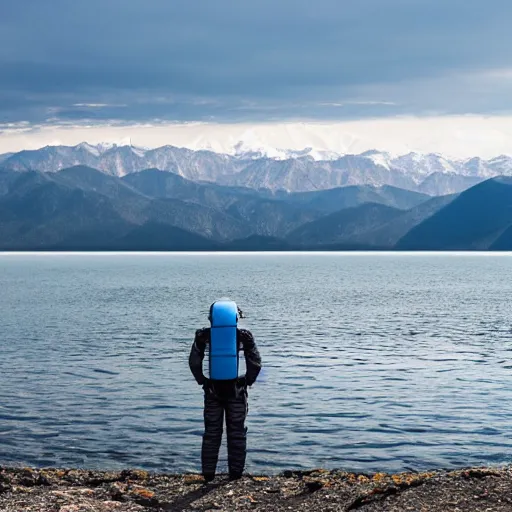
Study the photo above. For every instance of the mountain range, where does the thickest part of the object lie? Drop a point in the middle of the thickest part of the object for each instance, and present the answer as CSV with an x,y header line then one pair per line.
x,y
288,171
82,208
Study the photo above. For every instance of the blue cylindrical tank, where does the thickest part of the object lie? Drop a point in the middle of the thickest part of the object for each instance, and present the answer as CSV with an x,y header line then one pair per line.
x,y
223,341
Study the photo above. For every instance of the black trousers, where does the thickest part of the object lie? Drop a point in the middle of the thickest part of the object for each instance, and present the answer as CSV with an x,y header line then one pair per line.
x,y
231,404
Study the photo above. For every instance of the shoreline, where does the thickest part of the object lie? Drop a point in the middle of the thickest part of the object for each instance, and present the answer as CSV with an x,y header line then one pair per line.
x,y
297,252
74,490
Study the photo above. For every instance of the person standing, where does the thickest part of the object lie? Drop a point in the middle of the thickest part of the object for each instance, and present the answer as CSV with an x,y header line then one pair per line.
x,y
225,392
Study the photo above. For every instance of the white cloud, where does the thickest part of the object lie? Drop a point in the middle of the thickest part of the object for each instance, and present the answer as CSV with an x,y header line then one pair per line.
x,y
454,136
97,105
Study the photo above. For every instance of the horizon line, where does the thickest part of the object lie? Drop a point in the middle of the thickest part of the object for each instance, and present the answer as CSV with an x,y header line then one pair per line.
x,y
236,253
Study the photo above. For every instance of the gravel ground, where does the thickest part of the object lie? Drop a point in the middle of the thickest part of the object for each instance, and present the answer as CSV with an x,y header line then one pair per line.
x,y
63,490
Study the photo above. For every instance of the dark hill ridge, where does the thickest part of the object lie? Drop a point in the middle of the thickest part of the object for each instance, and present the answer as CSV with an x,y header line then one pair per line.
x,y
267,214
139,208
473,221
40,212
82,208
343,226
504,241
49,214
163,184
271,218
89,179
155,236
389,233
7,178
335,199
21,183
201,220
262,213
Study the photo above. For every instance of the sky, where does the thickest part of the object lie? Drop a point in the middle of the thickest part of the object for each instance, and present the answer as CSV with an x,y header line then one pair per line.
x,y
346,75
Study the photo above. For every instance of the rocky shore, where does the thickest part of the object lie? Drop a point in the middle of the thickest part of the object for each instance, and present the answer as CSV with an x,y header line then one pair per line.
x,y
64,490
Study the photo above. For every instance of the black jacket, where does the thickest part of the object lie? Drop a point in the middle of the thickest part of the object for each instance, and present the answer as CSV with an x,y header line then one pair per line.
x,y
245,341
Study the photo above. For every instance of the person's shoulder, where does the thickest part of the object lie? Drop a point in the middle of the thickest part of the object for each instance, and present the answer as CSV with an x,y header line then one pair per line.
x,y
245,335
203,333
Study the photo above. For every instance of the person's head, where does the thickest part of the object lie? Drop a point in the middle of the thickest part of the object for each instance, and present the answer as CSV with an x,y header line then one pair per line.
x,y
239,312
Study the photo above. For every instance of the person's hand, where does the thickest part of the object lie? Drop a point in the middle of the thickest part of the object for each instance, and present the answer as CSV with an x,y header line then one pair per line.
x,y
206,383
242,381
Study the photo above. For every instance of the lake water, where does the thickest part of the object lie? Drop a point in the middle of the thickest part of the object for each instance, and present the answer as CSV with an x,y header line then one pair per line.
x,y
372,361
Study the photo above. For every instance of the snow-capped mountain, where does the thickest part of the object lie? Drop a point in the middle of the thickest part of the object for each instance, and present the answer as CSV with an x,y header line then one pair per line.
x,y
262,167
5,156
250,152
424,165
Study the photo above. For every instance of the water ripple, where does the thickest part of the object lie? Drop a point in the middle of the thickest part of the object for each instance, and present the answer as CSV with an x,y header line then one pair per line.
x,y
372,362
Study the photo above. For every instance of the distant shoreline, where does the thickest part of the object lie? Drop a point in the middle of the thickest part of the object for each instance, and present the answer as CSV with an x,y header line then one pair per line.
x,y
227,252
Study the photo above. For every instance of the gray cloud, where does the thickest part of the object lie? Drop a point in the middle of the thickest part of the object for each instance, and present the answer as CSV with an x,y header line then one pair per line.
x,y
240,60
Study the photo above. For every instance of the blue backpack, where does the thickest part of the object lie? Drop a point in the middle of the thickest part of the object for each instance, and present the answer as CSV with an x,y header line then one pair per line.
x,y
223,340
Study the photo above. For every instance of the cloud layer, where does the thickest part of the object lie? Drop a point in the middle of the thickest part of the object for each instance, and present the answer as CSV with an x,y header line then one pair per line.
x,y
453,136
265,61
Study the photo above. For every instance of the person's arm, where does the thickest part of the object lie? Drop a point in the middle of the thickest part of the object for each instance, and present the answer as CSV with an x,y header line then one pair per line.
x,y
252,356
195,360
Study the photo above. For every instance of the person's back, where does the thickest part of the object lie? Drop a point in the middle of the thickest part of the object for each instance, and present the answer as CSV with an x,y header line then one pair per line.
x,y
225,393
